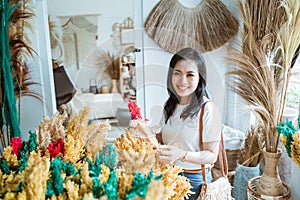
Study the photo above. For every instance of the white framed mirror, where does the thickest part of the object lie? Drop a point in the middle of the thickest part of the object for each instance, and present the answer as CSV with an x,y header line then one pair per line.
x,y
94,36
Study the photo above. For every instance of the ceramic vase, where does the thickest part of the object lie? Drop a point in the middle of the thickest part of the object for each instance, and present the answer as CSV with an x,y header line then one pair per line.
x,y
123,115
241,177
114,88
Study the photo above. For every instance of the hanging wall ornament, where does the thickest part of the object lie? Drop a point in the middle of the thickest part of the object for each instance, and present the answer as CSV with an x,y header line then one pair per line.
x,y
205,27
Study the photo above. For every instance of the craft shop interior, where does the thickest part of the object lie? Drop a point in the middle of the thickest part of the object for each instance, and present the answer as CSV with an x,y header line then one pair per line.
x,y
84,84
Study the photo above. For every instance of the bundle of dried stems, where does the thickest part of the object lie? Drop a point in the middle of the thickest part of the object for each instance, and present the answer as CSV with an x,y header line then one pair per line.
x,y
109,63
205,27
15,82
251,154
270,39
20,45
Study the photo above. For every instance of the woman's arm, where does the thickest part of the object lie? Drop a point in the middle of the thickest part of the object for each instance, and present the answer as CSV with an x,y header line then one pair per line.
x,y
208,156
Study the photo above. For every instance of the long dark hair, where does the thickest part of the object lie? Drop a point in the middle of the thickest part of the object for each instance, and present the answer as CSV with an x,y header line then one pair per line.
x,y
197,97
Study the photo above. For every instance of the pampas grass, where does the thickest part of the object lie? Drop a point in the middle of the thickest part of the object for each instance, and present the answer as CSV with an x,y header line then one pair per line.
x,y
20,46
251,153
270,40
254,82
206,27
289,40
109,63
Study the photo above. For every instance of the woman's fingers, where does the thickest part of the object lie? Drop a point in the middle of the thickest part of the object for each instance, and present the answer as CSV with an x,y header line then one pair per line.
x,y
164,159
164,152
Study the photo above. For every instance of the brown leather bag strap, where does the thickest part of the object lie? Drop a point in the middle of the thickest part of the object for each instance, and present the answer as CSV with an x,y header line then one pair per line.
x,y
222,153
223,158
201,138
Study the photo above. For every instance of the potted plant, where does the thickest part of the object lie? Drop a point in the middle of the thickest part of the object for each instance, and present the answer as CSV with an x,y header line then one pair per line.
x,y
247,164
270,39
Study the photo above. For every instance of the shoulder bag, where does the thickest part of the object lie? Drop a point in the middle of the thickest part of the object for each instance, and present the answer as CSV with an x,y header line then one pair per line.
x,y
219,189
64,88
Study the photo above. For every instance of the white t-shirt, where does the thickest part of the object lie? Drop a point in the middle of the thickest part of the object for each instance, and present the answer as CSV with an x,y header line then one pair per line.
x,y
185,133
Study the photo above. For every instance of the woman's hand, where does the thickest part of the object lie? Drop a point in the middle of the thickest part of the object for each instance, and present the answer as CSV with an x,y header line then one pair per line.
x,y
169,154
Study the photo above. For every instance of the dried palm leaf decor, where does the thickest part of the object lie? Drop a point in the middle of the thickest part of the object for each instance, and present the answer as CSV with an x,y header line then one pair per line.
x,y
264,64
108,62
20,45
270,40
14,73
205,27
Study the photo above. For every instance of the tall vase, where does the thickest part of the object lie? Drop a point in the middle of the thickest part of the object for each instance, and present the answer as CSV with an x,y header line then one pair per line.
x,y
123,115
241,177
270,183
114,88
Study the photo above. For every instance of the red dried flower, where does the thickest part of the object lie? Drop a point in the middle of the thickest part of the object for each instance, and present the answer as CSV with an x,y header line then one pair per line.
x,y
16,144
56,148
134,110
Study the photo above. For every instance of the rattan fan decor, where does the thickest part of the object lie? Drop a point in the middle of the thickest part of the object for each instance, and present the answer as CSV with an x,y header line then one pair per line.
x,y
205,27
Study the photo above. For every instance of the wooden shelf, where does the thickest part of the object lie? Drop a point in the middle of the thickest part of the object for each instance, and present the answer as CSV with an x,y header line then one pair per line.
x,y
127,75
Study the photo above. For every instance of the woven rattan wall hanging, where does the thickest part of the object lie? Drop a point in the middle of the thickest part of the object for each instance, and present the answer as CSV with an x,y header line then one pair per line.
x,y
205,27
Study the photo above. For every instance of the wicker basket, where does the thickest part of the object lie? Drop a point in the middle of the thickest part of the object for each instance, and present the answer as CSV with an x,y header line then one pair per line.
x,y
254,195
232,157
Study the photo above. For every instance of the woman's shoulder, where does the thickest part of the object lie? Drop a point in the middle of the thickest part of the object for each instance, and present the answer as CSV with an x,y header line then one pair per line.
x,y
211,108
209,104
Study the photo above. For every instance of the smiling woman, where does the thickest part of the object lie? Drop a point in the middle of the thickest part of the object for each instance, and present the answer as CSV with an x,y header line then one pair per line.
x,y
185,79
180,123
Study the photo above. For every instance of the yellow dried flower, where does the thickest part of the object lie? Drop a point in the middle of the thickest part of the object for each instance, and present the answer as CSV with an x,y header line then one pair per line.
x,y
15,196
1,182
11,182
105,172
59,197
11,159
78,134
96,138
87,181
124,182
295,148
36,175
89,196
43,134
73,149
21,196
135,154
78,126
72,190
282,139
62,196
85,175
156,191
176,186
53,197
51,129
85,189
10,196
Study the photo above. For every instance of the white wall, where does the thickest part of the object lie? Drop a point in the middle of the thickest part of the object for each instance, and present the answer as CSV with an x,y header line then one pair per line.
x,y
152,61
32,109
156,62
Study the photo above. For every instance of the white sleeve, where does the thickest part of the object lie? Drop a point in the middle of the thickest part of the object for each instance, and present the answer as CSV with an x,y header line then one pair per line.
x,y
212,123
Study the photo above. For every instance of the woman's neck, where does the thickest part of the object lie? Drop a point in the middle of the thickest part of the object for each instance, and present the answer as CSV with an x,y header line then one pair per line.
x,y
185,100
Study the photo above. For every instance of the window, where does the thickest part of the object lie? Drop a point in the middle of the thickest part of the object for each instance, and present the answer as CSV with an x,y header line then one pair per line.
x,y
293,93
